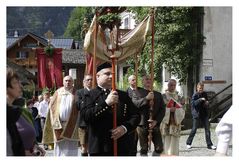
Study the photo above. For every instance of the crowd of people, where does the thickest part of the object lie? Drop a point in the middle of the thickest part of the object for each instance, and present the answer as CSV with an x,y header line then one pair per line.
x,y
72,118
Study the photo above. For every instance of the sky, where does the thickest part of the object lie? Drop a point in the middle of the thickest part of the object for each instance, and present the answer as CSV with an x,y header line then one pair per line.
x,y
5,3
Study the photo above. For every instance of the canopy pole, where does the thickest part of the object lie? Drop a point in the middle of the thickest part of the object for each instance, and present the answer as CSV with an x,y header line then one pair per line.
x,y
136,69
95,47
152,52
114,107
152,78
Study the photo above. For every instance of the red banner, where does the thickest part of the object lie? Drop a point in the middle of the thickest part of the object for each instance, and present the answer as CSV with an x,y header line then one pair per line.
x,y
89,63
49,68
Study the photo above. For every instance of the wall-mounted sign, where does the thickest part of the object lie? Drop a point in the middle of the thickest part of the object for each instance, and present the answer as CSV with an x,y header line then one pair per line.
x,y
208,62
208,78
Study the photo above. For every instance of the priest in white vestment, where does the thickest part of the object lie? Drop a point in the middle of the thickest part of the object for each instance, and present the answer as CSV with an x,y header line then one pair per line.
x,y
61,124
171,124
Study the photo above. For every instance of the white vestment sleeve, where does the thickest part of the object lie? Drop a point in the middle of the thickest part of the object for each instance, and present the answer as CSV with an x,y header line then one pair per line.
x,y
224,132
179,115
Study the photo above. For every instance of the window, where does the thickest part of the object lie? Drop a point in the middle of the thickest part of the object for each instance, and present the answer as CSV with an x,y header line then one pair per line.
x,y
73,73
166,74
126,23
22,55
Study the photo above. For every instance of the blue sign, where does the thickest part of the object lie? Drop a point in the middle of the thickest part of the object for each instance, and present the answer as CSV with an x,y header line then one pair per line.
x,y
208,77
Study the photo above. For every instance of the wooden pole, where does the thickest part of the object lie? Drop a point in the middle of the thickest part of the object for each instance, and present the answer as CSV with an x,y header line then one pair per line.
x,y
136,69
95,47
152,52
114,108
83,33
152,78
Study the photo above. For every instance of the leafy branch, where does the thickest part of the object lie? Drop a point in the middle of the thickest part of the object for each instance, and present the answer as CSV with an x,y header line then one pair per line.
x,y
109,20
49,51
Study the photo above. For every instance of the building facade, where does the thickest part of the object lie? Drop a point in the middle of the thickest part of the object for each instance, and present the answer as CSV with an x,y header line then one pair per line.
x,y
214,68
21,50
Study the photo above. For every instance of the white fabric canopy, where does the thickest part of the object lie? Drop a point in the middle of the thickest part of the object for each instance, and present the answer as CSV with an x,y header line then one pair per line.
x,y
129,44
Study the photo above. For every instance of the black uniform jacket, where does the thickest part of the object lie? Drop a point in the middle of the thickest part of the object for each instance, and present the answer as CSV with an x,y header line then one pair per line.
x,y
139,99
99,118
82,95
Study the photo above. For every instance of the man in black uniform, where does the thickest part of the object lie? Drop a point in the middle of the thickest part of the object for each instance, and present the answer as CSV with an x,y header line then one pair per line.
x,y
142,98
83,130
99,116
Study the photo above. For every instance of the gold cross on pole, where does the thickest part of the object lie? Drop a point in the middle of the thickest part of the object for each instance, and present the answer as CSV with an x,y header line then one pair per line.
x,y
49,35
84,28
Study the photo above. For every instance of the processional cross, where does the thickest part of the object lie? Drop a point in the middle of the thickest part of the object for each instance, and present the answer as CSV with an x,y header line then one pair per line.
x,y
49,35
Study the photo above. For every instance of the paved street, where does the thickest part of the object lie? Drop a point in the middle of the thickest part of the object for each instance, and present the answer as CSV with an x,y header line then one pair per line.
x,y
199,147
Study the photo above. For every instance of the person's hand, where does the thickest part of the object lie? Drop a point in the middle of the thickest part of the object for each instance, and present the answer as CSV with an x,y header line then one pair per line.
x,y
206,103
151,103
118,132
112,98
37,151
182,101
172,109
152,124
150,96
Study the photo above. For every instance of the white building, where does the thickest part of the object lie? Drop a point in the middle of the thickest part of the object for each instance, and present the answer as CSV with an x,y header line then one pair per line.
x,y
216,63
127,22
215,66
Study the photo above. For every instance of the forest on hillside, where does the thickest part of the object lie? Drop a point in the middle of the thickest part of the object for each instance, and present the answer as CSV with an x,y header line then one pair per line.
x,y
38,20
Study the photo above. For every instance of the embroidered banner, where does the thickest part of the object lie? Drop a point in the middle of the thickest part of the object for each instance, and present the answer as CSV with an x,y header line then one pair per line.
x,y
130,44
49,68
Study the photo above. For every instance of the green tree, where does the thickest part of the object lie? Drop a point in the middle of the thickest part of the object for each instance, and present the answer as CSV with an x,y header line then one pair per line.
x,y
37,20
75,25
177,38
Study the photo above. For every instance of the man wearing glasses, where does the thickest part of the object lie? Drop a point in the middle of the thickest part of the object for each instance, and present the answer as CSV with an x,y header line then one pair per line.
x,y
83,131
99,116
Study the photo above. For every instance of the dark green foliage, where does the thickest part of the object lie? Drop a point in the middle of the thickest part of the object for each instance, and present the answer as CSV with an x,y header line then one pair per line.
x,y
49,51
37,20
178,40
109,20
27,94
75,25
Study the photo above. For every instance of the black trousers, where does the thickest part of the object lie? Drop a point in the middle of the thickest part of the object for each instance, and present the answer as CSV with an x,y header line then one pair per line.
x,y
133,143
205,123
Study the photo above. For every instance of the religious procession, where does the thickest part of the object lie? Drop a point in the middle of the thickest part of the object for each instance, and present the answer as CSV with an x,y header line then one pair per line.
x,y
144,81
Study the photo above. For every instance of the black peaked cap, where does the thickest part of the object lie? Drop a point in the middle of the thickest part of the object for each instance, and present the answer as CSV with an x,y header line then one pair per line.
x,y
103,65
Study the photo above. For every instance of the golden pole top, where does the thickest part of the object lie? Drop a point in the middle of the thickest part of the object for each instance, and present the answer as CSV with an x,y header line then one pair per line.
x,y
85,28
49,35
